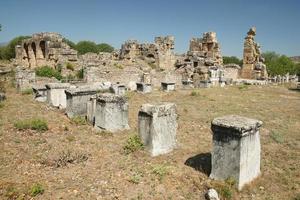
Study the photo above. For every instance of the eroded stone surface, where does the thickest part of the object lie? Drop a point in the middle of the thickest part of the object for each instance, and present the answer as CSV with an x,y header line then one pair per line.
x,y
56,95
236,149
157,127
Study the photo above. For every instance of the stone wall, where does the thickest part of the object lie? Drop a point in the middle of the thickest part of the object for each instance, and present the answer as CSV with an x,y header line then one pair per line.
x,y
25,78
231,71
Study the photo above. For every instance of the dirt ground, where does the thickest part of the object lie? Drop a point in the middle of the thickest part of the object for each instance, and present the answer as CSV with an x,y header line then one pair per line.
x,y
103,171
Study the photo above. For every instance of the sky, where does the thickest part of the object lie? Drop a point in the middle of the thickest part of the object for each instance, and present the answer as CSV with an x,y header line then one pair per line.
x,y
115,21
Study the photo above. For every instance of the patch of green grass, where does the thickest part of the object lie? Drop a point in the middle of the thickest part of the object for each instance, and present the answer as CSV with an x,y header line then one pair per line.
x,y
47,71
27,91
277,137
119,66
39,125
79,120
133,144
136,178
160,170
1,105
194,93
36,189
243,87
71,138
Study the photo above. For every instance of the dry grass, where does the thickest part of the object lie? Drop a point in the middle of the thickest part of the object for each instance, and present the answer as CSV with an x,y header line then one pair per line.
x,y
111,174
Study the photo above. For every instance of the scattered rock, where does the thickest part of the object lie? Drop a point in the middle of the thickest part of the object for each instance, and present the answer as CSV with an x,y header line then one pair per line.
x,y
212,194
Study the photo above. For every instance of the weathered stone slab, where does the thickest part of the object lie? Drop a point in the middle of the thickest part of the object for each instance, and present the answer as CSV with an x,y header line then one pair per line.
x,y
111,112
157,127
118,89
77,99
236,149
91,109
143,87
56,95
40,93
168,86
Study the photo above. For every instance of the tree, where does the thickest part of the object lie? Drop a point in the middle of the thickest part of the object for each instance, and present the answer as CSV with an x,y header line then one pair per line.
x,y
103,47
70,43
232,59
0,27
86,46
8,51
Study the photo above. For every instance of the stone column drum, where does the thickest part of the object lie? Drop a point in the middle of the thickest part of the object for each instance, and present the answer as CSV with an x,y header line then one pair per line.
x,y
111,112
236,149
157,127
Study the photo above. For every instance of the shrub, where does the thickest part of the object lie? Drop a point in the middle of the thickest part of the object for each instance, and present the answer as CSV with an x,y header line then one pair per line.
x,y
70,43
133,144
47,71
232,59
79,120
243,87
36,189
8,52
67,157
86,46
103,47
80,74
119,66
39,125
70,66
194,93
160,171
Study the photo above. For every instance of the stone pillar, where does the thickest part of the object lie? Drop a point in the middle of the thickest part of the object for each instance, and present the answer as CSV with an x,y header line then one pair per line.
x,y
77,99
236,149
56,95
111,112
157,127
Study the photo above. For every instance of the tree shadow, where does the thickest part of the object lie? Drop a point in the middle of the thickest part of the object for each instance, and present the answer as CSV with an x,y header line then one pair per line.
x,y
294,89
200,162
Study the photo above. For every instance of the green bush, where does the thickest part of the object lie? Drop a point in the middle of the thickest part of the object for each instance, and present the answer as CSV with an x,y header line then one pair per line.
x,y
8,52
86,46
80,74
133,144
39,125
232,59
47,71
79,120
103,47
36,189
70,66
27,91
160,170
194,93
70,43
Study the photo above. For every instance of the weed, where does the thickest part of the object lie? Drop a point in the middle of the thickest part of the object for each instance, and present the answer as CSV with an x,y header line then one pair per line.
x,y
133,144
136,178
243,87
11,193
70,66
119,66
36,189
277,137
194,93
79,120
70,138
160,170
67,157
39,125
1,105
27,91
104,133
80,74
47,71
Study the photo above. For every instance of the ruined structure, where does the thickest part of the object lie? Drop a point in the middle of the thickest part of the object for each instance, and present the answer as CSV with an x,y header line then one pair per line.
x,y
25,78
56,95
236,149
44,49
159,53
203,62
253,66
157,127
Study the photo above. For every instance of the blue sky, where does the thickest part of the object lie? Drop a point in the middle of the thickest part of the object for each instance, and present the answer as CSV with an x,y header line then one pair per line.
x,y
113,22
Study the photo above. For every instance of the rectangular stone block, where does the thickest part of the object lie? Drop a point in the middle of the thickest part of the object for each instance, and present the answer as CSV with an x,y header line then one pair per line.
x,y
236,149
111,112
168,86
56,95
157,127
143,87
91,109
40,93
77,99
118,89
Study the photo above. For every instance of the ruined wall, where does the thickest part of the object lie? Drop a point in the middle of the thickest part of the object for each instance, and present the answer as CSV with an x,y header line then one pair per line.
x,y
253,66
44,49
231,71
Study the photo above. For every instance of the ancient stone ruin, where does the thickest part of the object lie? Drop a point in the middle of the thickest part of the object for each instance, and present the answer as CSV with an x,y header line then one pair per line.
x,y
44,49
56,95
157,127
253,62
25,78
236,149
40,92
160,53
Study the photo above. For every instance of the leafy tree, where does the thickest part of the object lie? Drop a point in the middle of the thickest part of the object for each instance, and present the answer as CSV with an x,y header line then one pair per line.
x,y
232,59
103,47
86,46
70,43
8,51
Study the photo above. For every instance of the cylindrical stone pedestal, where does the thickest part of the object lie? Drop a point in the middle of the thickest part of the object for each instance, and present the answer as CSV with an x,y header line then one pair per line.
x,y
236,149
157,127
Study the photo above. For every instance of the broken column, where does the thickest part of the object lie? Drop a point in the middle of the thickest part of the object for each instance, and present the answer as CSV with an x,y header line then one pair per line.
x,y
56,95
157,127
111,112
77,99
236,149
168,86
40,93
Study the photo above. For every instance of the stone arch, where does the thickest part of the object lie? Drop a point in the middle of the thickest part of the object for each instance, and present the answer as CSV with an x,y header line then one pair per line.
x,y
33,46
26,50
43,48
